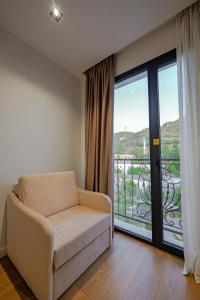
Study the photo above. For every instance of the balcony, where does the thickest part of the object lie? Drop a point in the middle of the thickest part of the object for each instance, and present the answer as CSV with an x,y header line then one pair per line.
x,y
132,198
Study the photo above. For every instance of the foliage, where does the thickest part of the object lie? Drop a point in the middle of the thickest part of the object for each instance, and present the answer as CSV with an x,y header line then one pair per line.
x,y
137,144
170,151
136,171
128,193
129,188
174,168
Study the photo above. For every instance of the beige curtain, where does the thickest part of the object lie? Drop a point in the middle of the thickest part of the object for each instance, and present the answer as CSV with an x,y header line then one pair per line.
x,y
99,126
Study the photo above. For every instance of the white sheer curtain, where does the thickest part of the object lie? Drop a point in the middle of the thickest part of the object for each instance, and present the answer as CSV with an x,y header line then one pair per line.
x,y
188,59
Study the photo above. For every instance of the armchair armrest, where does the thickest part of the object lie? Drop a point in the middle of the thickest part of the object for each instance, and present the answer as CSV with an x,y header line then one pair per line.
x,y
95,200
30,246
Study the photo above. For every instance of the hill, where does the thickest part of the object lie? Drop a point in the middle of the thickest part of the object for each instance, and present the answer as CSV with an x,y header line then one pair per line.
x,y
137,143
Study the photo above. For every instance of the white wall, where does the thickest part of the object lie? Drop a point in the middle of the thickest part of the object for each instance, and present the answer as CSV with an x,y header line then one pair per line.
x,y
158,42
40,118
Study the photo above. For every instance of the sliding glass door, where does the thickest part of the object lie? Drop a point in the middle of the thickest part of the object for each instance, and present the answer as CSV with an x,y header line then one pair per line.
x,y
132,156
146,154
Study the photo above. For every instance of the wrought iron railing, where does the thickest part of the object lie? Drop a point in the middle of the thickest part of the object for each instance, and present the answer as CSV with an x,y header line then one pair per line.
x,y
132,192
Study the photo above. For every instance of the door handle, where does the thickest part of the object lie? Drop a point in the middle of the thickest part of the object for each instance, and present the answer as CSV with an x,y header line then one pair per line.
x,y
157,166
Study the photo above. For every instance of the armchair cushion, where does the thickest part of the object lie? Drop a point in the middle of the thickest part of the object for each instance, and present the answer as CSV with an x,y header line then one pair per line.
x,y
74,229
49,193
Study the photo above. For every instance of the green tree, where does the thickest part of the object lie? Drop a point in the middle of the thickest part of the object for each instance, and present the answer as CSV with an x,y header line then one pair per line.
x,y
136,171
174,168
119,148
175,151
138,152
165,151
131,189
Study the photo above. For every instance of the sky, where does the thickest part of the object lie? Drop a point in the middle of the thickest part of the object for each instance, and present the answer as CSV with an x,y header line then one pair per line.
x,y
131,101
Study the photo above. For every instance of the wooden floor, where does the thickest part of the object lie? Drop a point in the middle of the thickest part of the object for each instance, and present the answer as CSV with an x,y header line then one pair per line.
x,y
131,270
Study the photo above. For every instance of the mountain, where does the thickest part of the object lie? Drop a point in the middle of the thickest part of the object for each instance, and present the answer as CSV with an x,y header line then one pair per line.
x,y
170,130
137,143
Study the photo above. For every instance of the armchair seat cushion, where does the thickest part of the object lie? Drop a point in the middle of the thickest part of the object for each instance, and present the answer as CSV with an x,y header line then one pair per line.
x,y
74,228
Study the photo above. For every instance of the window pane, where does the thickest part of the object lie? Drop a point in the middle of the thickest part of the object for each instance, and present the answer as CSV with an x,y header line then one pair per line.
x,y
170,155
132,185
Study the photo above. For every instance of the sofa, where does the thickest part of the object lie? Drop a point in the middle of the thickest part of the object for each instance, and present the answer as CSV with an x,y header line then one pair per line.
x,y
55,231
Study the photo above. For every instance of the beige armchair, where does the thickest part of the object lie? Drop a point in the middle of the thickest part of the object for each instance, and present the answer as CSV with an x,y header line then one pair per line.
x,y
55,231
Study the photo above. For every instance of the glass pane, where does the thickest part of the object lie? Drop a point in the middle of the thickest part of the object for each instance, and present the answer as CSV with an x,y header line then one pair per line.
x,y
132,185
170,155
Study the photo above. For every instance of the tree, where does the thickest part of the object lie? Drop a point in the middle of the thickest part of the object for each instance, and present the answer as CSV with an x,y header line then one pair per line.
x,y
165,151
138,152
174,168
119,148
137,171
175,152
131,189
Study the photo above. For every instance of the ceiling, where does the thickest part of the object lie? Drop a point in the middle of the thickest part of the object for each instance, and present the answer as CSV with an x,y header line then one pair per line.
x,y
89,31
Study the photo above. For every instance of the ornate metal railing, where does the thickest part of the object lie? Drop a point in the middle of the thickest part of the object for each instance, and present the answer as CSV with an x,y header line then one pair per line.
x,y
132,192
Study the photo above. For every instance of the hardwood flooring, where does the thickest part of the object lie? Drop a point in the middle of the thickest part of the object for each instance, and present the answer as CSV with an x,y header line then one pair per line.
x,y
131,270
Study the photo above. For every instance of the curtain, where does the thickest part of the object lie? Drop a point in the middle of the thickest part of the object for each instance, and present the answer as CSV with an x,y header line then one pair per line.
x,y
99,126
188,60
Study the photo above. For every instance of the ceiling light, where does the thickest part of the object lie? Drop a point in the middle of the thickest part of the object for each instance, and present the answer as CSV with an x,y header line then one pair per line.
x,y
56,14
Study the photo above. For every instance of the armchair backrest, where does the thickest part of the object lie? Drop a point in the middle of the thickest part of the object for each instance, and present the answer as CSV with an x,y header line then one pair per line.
x,y
48,193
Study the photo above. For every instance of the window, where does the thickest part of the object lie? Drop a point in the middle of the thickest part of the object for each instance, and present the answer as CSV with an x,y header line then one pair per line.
x,y
147,153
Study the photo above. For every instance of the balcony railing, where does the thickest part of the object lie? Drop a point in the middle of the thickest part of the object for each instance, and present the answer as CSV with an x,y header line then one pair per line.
x,y
132,195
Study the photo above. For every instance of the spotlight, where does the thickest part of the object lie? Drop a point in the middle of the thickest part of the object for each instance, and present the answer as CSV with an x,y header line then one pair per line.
x,y
56,14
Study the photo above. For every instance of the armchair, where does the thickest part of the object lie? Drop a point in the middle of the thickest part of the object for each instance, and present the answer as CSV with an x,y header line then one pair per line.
x,y
55,231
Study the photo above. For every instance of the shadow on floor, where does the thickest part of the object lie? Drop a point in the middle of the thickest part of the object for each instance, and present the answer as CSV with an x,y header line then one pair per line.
x,y
14,283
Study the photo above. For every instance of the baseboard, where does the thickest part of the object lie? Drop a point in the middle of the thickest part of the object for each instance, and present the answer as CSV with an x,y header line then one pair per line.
x,y
3,252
